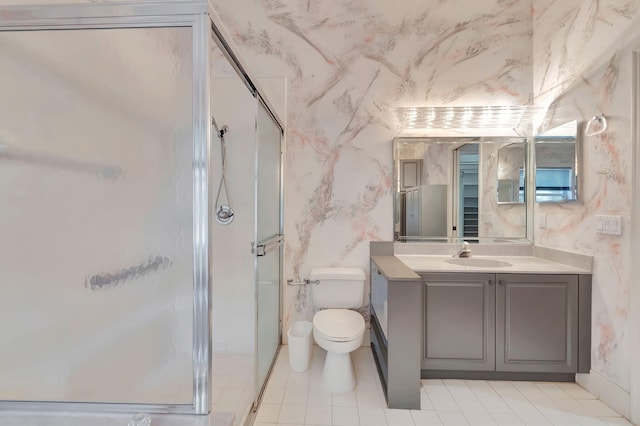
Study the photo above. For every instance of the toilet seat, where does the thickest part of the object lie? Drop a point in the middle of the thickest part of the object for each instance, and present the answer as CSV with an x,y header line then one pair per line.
x,y
339,325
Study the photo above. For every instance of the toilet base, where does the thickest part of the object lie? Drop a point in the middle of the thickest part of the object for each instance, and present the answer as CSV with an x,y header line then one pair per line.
x,y
338,375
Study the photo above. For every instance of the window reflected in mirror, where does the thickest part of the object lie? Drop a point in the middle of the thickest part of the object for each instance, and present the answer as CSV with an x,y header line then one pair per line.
x,y
557,164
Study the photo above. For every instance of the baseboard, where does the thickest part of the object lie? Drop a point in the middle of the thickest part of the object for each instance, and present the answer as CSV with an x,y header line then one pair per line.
x,y
606,391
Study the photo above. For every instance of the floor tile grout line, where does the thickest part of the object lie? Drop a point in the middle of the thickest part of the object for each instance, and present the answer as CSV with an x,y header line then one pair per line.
x,y
510,394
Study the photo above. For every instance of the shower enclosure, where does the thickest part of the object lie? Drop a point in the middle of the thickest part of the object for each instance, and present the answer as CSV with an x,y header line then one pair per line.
x,y
119,291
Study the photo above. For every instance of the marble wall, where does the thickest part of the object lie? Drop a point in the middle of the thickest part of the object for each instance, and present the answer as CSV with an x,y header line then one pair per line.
x,y
582,67
348,63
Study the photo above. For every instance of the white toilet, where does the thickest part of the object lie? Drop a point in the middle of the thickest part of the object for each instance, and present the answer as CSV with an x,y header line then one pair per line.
x,y
336,328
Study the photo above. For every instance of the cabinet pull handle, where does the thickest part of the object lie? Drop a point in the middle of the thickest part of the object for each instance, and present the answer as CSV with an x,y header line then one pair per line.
x,y
501,282
490,282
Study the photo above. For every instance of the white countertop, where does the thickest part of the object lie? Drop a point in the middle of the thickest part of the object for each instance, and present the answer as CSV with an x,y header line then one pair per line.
x,y
518,265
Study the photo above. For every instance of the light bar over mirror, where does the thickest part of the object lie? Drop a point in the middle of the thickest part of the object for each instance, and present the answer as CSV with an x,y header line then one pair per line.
x,y
461,117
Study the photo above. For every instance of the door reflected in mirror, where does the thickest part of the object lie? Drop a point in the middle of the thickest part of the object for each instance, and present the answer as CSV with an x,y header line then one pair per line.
x,y
455,181
557,164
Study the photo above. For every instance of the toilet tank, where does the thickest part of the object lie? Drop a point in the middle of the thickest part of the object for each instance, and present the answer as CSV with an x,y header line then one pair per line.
x,y
338,287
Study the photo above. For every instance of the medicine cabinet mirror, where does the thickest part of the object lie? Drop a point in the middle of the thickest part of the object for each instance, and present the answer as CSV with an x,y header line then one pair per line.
x,y
556,156
511,173
451,188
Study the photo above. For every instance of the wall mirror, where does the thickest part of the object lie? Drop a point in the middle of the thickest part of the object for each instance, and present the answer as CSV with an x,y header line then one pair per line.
x,y
556,154
453,188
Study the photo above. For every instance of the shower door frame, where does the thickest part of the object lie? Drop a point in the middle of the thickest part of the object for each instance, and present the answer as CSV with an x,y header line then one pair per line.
x,y
148,14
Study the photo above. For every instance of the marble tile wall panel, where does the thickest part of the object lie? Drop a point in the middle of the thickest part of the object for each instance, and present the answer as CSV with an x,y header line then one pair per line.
x,y
582,67
348,63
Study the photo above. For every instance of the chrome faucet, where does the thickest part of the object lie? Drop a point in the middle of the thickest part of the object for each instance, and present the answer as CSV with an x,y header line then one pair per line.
x,y
465,250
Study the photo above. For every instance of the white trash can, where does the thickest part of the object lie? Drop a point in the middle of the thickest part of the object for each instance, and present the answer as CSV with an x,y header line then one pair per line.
x,y
300,344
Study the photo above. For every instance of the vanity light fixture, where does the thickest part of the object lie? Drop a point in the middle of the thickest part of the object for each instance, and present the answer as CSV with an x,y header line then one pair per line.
x,y
463,117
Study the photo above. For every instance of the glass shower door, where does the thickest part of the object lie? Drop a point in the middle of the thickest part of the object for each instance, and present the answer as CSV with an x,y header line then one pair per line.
x,y
96,223
269,242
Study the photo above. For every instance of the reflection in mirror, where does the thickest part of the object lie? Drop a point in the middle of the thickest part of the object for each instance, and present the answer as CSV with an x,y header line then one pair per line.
x,y
445,189
557,164
467,162
511,173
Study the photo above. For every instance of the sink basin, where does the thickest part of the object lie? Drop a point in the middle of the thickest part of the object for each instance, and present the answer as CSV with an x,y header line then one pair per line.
x,y
478,262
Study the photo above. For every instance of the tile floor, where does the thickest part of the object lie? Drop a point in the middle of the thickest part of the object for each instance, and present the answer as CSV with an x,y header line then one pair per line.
x,y
297,399
232,384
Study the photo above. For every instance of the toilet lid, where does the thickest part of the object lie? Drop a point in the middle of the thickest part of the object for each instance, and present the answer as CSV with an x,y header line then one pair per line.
x,y
339,324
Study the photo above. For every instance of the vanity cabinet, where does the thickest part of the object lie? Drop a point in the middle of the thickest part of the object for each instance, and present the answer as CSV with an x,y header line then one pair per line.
x,y
459,327
537,323
395,339
510,323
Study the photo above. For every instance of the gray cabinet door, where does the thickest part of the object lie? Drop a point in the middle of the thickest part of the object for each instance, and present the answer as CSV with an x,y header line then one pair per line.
x,y
537,323
459,322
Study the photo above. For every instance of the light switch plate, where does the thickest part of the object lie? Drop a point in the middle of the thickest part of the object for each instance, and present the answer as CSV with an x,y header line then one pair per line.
x,y
608,224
